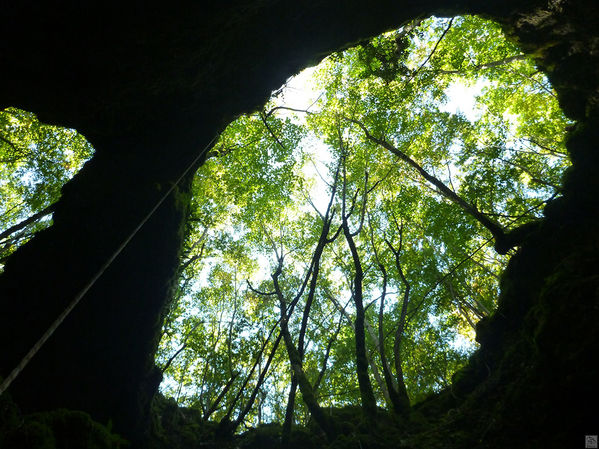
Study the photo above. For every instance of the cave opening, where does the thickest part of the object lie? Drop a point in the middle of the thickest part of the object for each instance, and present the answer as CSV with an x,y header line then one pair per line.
x,y
505,391
438,102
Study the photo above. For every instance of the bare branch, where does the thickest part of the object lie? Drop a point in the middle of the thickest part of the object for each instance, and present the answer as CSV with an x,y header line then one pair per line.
x,y
258,292
449,175
183,346
286,108
270,130
216,404
432,52
487,65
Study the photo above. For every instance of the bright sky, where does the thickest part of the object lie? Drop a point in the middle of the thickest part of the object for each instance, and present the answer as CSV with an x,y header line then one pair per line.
x,y
462,99
299,92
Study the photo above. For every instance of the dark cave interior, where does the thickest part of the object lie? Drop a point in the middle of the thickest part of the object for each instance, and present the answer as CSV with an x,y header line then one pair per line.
x,y
150,85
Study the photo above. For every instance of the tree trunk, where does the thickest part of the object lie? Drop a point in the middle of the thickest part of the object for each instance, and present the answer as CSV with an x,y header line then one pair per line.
x,y
394,397
289,411
366,393
321,418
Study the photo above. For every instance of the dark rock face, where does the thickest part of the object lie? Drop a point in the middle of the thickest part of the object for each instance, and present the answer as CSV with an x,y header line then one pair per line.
x,y
151,84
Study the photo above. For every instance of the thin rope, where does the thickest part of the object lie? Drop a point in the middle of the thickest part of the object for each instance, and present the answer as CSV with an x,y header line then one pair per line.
x,y
36,347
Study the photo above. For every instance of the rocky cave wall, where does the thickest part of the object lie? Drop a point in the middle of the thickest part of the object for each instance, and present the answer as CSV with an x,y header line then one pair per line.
x,y
150,84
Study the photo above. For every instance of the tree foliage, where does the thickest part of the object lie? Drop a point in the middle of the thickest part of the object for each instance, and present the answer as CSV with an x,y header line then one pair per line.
x,y
361,227
35,161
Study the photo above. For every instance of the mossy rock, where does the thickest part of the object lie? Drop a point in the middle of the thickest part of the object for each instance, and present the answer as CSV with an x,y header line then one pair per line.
x,y
10,417
302,438
175,427
59,429
30,435
262,437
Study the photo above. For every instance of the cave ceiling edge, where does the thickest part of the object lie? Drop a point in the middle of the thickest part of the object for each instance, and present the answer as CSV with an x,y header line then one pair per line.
x,y
152,72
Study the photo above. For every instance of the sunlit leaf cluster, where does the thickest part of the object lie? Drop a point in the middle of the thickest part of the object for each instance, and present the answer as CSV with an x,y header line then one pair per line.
x,y
35,161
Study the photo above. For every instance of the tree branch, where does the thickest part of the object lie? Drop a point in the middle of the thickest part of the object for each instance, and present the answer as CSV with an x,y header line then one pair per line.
x,y
276,108
35,217
495,228
432,52
487,65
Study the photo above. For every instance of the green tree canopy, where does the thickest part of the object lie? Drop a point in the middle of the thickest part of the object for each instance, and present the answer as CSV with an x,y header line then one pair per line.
x,y
352,238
